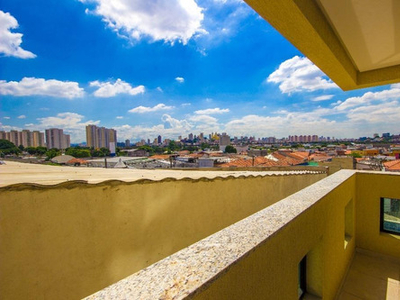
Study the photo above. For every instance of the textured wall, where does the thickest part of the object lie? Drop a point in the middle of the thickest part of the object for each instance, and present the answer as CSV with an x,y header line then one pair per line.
x,y
370,188
270,271
70,240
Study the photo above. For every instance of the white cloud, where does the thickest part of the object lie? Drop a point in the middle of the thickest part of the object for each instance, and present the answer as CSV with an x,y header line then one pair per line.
x,y
10,41
30,86
170,128
186,104
8,127
22,117
160,89
7,118
70,122
300,74
161,20
395,86
212,111
391,94
144,109
203,119
180,79
109,89
322,98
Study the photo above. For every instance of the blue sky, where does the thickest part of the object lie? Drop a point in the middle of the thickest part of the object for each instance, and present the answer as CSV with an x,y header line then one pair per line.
x,y
170,67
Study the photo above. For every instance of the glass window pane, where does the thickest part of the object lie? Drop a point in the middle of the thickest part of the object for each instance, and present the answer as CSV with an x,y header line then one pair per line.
x,y
391,215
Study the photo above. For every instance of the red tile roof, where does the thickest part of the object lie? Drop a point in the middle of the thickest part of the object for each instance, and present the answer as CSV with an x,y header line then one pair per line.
x,y
261,161
393,165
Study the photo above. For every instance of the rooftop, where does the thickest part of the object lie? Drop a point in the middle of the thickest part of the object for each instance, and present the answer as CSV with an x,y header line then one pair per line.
x,y
17,173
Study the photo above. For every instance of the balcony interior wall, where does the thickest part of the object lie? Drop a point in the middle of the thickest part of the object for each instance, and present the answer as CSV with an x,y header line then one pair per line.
x,y
271,268
73,239
370,188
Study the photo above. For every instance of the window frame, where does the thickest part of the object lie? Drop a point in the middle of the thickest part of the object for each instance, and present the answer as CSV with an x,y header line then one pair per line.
x,y
381,217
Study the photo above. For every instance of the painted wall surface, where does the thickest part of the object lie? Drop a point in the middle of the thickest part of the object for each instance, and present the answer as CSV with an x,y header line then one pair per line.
x,y
370,188
337,164
73,239
270,271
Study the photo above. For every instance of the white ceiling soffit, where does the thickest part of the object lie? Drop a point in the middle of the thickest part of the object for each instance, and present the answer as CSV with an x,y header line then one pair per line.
x,y
368,29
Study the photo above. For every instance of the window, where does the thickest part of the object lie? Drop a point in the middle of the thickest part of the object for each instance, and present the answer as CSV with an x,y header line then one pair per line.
x,y
348,223
390,215
302,277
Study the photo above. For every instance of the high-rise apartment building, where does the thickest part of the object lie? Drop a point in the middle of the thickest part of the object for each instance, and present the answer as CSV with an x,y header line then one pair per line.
x,y
38,139
25,138
101,137
224,139
55,138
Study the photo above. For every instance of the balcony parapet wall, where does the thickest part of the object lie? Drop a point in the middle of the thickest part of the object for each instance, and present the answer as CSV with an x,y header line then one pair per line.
x,y
195,269
69,239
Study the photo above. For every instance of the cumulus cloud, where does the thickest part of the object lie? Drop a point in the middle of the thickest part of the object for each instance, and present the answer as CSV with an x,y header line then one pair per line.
x,y
30,86
111,89
22,117
180,79
203,118
386,95
119,117
169,128
144,109
322,98
72,123
186,104
10,42
212,111
162,20
7,118
300,74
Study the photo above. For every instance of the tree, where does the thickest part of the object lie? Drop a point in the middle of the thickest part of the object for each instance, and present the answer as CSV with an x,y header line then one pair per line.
x,y
230,149
78,152
173,146
51,153
7,148
356,155
102,152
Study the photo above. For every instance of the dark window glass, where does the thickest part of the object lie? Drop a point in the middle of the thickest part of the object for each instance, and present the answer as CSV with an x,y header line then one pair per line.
x,y
302,277
390,215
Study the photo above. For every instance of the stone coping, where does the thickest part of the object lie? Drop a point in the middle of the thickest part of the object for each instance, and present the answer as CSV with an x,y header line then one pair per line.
x,y
14,173
194,268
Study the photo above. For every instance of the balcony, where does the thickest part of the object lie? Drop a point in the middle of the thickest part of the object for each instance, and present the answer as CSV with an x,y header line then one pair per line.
x,y
221,238
335,223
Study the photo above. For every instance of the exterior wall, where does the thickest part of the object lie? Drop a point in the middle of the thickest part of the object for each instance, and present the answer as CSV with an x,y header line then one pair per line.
x,y
338,163
270,271
370,188
73,239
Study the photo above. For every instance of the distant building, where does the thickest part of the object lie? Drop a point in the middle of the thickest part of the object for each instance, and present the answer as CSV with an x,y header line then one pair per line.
x,y
101,137
55,138
224,140
159,140
127,143
25,138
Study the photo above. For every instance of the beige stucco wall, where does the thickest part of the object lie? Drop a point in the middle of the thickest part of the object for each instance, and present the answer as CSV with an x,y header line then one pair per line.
x,y
270,271
370,188
72,239
337,164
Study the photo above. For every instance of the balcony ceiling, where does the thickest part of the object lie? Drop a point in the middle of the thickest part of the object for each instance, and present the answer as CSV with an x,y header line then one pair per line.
x,y
355,42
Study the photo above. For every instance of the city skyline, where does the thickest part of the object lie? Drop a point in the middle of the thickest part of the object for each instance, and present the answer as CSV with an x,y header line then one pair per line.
x,y
77,63
98,137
